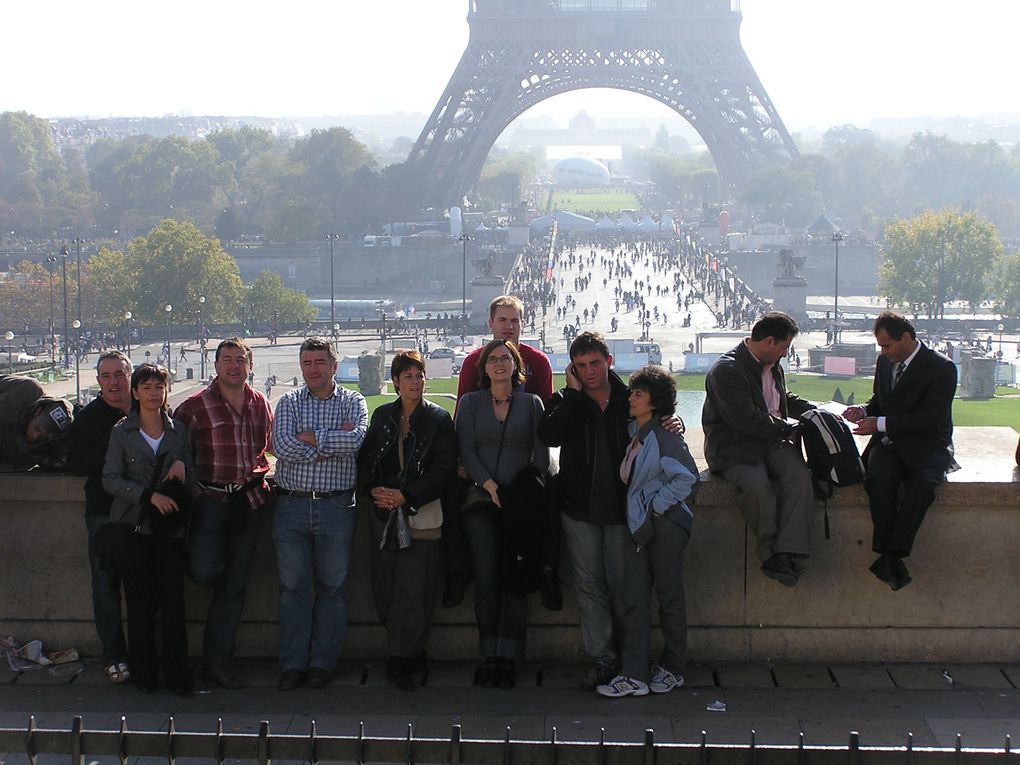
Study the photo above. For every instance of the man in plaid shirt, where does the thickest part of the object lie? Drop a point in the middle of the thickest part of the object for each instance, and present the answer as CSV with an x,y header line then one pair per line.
x,y
229,425
316,436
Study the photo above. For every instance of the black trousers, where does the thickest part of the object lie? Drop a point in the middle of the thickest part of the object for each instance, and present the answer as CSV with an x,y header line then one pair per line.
x,y
156,593
895,519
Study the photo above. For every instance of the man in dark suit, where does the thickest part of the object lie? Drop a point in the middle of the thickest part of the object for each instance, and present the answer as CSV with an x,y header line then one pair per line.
x,y
749,441
909,419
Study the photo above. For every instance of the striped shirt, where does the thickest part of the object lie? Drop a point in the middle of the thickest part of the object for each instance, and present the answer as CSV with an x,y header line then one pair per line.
x,y
332,464
229,446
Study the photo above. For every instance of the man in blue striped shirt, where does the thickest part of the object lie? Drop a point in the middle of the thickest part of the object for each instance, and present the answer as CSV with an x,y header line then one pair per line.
x,y
317,432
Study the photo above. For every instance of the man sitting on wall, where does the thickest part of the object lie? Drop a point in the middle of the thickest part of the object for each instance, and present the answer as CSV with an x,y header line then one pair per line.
x,y
33,426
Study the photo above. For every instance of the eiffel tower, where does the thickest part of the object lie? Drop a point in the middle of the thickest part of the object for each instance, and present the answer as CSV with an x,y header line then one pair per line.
x,y
685,54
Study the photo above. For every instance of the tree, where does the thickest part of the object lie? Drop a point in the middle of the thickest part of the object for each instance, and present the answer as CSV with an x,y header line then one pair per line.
x,y
325,164
173,176
1007,286
174,264
934,258
271,299
784,194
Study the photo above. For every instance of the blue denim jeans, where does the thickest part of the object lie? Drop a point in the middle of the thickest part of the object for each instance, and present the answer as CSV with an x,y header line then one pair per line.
x,y
106,600
596,556
219,558
313,547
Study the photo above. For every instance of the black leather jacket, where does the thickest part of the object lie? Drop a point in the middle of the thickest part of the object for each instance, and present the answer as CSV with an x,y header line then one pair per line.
x,y
430,455
571,422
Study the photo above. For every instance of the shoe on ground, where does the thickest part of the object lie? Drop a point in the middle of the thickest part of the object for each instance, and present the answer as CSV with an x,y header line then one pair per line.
x,y
507,673
118,672
902,574
599,674
292,679
419,663
552,597
397,673
621,686
453,592
490,673
664,681
183,689
222,677
797,564
884,568
778,567
318,677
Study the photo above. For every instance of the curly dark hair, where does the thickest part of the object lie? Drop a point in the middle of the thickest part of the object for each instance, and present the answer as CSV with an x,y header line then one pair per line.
x,y
517,378
660,387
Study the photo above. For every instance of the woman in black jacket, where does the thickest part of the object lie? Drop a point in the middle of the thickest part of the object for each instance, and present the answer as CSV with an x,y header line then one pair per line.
x,y
406,467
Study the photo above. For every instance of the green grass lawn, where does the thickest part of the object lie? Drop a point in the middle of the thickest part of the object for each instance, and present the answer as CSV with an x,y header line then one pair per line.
x,y
1003,410
585,201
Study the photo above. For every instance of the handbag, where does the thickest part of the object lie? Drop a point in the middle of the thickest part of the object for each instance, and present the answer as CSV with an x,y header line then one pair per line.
x,y
430,515
117,543
475,497
117,547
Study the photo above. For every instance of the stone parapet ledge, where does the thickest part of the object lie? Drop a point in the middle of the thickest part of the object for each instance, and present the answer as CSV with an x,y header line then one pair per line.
x,y
963,605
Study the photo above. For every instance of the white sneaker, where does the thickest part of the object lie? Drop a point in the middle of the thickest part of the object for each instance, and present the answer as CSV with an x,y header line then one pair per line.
x,y
622,686
664,681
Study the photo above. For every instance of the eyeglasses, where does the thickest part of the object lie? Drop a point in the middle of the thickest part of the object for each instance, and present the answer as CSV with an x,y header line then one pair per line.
x,y
506,359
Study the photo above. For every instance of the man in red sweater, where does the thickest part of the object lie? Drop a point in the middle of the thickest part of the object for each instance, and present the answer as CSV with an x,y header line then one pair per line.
x,y
506,319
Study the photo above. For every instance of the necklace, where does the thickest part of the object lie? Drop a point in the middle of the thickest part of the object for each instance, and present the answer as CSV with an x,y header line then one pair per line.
x,y
498,401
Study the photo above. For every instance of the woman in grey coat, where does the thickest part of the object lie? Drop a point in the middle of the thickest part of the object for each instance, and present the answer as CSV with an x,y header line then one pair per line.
x,y
145,441
500,412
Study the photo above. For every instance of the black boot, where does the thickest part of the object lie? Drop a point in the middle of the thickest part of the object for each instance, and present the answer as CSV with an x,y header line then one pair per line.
x,y
507,673
490,673
396,673
453,593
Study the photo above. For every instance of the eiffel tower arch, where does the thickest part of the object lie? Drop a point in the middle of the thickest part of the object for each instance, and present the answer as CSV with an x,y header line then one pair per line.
x,y
685,54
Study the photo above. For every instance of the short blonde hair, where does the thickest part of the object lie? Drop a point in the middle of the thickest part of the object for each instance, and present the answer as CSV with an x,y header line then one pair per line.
x,y
506,301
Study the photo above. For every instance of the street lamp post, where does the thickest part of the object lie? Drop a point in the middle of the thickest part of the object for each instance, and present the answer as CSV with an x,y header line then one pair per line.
x,y
201,339
51,263
169,354
63,254
1000,326
127,332
331,238
837,237
77,361
78,242
464,239
9,337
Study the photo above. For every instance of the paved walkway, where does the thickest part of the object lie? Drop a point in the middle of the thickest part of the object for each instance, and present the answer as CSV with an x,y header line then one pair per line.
x,y
884,703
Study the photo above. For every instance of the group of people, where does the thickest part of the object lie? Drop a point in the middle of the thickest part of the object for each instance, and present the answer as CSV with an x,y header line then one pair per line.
x,y
750,425
186,493
472,495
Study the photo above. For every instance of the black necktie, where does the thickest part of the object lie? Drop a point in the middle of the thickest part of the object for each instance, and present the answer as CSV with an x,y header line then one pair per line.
x,y
899,373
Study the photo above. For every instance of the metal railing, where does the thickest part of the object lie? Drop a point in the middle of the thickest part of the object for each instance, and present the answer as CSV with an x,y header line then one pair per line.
x,y
263,747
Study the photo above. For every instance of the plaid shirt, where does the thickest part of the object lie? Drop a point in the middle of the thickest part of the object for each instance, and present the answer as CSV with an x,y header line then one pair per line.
x,y
229,447
332,465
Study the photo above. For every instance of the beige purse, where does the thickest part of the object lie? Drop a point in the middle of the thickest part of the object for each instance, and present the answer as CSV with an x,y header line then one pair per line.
x,y
430,515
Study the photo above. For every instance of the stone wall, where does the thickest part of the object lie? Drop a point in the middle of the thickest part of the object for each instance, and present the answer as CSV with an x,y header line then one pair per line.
x,y
962,606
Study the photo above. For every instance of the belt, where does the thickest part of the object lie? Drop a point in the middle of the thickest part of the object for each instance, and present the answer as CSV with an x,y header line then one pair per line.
x,y
313,494
232,488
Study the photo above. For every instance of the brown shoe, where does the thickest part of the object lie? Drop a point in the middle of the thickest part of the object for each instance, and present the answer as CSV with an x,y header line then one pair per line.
x,y
318,677
292,679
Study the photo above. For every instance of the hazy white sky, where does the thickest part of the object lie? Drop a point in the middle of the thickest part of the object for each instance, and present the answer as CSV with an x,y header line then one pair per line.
x,y
823,62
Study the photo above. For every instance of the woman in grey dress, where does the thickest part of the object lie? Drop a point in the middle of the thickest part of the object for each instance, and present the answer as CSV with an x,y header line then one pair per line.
x,y
497,429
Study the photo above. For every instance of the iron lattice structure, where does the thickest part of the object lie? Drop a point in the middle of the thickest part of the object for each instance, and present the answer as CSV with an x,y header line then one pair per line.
x,y
685,54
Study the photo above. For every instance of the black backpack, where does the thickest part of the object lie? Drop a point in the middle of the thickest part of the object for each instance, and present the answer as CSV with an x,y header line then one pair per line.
x,y
831,452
